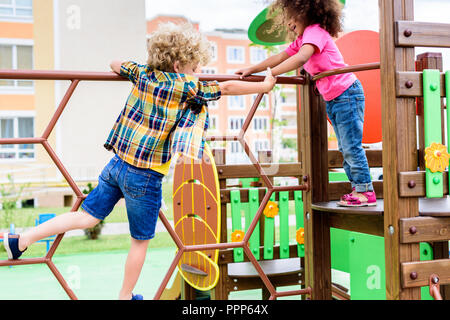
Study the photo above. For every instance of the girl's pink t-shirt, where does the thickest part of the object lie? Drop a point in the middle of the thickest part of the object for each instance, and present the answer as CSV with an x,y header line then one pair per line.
x,y
327,58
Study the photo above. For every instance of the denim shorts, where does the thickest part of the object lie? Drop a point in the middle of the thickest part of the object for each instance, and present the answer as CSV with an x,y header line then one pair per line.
x,y
141,189
346,114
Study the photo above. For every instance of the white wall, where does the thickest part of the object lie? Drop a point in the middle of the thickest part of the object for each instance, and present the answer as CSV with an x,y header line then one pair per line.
x,y
89,35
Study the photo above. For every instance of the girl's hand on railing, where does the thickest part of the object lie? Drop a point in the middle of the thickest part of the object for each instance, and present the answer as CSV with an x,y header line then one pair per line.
x,y
244,72
270,80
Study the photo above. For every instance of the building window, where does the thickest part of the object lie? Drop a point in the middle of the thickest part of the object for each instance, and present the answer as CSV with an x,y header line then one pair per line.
x,y
235,54
257,55
235,147
235,123
236,102
213,51
261,145
260,123
16,57
209,70
16,127
213,123
16,9
264,104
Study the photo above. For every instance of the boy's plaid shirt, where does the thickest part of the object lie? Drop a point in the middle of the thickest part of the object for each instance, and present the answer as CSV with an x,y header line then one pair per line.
x,y
156,121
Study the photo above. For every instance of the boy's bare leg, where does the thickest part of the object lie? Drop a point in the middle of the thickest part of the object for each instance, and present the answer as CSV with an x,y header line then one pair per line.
x,y
59,224
133,267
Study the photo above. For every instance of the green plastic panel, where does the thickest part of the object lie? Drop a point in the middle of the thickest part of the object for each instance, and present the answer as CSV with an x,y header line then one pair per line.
x,y
447,95
339,249
298,200
269,233
367,267
339,237
253,198
246,182
283,205
432,124
236,221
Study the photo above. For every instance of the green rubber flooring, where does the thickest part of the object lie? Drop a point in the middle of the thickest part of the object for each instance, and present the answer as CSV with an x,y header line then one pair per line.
x,y
93,276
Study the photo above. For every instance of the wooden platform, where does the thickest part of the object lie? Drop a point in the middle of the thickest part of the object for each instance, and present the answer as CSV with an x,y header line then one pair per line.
x,y
370,220
275,267
438,207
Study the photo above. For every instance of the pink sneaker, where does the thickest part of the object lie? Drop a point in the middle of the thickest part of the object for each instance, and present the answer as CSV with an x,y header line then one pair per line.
x,y
347,196
369,199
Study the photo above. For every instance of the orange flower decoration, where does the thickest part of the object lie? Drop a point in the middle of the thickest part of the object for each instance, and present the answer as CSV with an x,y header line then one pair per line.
x,y
436,157
271,209
300,236
237,236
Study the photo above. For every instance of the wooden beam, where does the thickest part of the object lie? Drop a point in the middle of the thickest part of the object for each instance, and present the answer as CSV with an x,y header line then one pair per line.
x,y
225,194
424,229
370,224
417,274
374,157
422,34
399,145
410,84
233,171
412,184
314,151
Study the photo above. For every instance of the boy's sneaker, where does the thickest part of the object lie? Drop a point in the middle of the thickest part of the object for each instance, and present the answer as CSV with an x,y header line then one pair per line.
x,y
137,297
11,243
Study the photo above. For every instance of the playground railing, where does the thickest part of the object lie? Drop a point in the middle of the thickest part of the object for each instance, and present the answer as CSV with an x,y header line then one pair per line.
x,y
75,77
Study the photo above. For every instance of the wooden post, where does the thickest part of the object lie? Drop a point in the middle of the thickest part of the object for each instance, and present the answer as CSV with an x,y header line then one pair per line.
x,y
399,145
432,60
264,156
220,291
314,152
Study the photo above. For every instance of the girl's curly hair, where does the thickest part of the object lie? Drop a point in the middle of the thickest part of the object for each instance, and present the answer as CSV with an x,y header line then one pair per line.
x,y
326,13
177,42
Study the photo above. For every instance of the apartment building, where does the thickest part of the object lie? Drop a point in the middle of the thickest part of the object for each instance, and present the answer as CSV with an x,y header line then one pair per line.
x,y
232,50
67,35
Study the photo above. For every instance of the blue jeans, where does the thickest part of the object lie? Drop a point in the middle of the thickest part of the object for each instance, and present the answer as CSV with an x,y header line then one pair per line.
x,y
141,189
346,114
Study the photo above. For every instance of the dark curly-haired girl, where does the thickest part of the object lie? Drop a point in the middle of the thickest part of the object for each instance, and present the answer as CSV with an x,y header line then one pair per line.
x,y
314,23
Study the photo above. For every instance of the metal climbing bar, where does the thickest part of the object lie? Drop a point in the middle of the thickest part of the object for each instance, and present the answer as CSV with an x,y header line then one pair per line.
x,y
77,76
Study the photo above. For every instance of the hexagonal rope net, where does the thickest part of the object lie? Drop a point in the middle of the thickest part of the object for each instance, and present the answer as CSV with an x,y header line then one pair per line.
x,y
75,78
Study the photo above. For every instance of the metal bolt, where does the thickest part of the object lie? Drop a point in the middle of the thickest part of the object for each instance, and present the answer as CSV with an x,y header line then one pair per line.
x,y
411,184
413,230
409,84
305,178
235,280
435,280
208,207
220,171
436,180
407,33
391,230
235,288
307,216
413,275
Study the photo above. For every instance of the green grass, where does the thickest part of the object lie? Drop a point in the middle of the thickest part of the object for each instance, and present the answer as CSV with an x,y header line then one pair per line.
x,y
75,245
26,217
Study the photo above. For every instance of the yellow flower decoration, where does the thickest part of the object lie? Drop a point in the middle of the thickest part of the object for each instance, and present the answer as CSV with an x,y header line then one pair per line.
x,y
237,236
436,157
300,236
271,209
